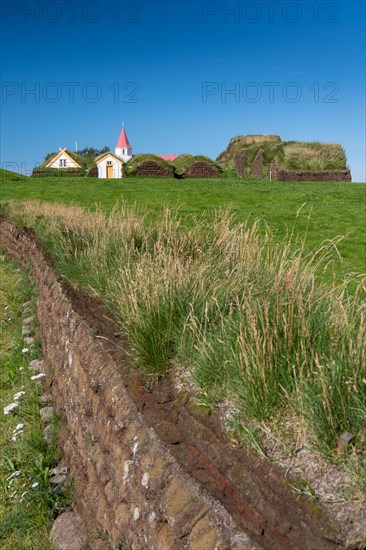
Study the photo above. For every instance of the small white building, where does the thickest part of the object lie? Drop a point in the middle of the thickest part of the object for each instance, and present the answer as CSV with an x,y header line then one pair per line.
x,y
123,148
62,160
109,166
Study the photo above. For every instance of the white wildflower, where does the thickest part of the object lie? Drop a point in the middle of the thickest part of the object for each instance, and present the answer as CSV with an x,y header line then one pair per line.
x,y
10,408
25,350
17,431
14,474
38,376
18,395
35,484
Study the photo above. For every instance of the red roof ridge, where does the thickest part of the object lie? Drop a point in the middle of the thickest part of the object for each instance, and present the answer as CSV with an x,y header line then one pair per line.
x,y
167,157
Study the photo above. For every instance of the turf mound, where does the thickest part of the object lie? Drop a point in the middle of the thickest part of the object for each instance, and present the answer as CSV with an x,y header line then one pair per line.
x,y
149,165
227,157
93,171
256,155
188,166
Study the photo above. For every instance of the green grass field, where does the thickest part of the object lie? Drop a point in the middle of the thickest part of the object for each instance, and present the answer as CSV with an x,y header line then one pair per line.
x,y
28,501
329,209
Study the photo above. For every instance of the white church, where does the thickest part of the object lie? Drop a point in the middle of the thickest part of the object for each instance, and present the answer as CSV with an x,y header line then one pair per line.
x,y
110,166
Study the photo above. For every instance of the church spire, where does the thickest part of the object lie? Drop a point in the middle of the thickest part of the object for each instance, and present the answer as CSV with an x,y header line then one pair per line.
x,y
123,148
123,140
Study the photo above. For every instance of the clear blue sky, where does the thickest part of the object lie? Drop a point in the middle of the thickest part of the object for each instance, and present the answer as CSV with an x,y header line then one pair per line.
x,y
296,69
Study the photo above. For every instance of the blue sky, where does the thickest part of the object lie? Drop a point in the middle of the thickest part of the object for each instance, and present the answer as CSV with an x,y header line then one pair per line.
x,y
184,76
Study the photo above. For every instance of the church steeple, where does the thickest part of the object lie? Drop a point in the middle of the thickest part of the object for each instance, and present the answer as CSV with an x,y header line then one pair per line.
x,y
123,148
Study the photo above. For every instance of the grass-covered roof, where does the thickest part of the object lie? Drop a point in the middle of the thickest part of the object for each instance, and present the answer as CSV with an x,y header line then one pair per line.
x,y
131,167
75,156
183,162
288,155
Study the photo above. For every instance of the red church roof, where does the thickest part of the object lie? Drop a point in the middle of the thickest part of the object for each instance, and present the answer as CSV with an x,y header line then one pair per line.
x,y
123,140
167,157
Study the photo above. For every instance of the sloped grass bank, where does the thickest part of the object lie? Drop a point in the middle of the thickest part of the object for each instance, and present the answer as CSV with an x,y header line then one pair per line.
x,y
242,317
28,501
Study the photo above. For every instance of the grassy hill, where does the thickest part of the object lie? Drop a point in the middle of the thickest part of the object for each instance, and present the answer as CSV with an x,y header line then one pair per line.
x,y
6,176
289,155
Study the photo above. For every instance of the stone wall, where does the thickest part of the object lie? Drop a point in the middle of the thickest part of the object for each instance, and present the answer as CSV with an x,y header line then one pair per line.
x,y
312,175
58,173
257,167
201,169
309,175
152,168
240,164
147,472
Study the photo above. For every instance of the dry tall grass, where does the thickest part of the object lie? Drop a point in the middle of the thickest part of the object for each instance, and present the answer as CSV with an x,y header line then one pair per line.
x,y
246,316
314,156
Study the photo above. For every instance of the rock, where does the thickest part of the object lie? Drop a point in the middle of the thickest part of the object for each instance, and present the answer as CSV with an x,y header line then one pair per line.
x,y
26,305
45,399
179,505
60,478
26,329
36,365
67,534
59,469
59,474
49,433
169,431
29,320
343,441
46,413
29,340
204,534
